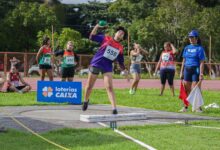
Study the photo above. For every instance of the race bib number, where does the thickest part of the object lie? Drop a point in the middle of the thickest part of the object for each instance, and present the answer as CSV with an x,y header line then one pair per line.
x,y
15,83
47,60
139,58
70,60
165,57
111,53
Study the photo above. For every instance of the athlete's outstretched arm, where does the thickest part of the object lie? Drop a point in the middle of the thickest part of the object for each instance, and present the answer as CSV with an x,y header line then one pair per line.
x,y
173,48
94,31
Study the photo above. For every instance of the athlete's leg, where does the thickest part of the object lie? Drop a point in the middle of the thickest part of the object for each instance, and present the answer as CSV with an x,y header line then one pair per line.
x,y
163,78
42,74
109,88
70,79
89,85
50,74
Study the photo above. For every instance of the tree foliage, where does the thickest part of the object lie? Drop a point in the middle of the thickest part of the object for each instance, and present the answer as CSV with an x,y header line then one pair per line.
x,y
22,24
150,23
81,45
169,20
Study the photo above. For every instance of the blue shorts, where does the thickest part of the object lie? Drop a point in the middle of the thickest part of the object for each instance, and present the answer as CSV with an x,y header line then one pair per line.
x,y
167,74
191,74
135,68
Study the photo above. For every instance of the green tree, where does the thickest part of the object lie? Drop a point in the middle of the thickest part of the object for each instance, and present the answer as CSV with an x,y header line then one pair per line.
x,y
48,33
68,34
22,24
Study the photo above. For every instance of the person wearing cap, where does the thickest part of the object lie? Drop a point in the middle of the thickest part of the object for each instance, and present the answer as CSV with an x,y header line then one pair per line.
x,y
192,64
167,66
109,51
136,56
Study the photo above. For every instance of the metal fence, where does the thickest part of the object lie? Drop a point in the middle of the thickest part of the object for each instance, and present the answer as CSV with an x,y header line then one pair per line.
x,y
27,61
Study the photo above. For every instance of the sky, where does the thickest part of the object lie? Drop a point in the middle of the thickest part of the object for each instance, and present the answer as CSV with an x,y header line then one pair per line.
x,y
77,1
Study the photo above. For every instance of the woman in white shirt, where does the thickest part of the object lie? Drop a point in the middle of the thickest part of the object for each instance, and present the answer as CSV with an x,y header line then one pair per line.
x,y
136,55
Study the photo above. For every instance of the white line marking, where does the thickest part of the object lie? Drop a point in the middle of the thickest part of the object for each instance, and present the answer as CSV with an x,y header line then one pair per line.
x,y
34,133
129,137
206,127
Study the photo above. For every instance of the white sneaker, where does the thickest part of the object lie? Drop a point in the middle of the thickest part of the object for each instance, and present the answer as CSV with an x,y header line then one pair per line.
x,y
131,91
183,109
21,92
198,110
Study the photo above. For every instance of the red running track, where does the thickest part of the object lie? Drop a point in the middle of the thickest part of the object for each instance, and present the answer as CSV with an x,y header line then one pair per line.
x,y
123,83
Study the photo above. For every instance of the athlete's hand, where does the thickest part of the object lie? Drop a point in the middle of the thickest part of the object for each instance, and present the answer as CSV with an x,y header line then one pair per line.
x,y
101,27
125,73
201,77
128,77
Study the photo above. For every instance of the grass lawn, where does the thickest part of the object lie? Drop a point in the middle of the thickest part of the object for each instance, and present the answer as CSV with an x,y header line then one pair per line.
x,y
144,98
176,137
161,137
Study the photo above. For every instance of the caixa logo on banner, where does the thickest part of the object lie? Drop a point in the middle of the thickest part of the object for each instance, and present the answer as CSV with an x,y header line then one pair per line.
x,y
47,91
59,92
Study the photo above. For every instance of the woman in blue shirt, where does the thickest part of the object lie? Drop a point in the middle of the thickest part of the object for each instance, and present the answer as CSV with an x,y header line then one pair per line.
x,y
192,64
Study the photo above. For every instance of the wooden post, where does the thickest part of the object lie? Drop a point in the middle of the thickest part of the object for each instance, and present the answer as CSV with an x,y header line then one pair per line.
x,y
53,56
25,64
80,61
52,38
128,44
210,55
128,50
5,63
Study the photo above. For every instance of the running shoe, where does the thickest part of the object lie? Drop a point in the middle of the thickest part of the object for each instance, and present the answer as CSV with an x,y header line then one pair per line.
x,y
85,105
131,91
183,109
199,110
114,111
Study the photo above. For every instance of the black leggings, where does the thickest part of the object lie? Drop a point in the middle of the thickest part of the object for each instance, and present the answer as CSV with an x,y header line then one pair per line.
x,y
167,74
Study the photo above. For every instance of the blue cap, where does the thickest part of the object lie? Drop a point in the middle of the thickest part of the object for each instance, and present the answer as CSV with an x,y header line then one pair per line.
x,y
194,33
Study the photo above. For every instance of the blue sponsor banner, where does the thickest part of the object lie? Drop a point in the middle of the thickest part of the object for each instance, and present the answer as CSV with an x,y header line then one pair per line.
x,y
59,92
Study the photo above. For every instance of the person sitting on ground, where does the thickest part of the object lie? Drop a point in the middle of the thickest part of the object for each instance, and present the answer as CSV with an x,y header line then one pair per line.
x,y
13,80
